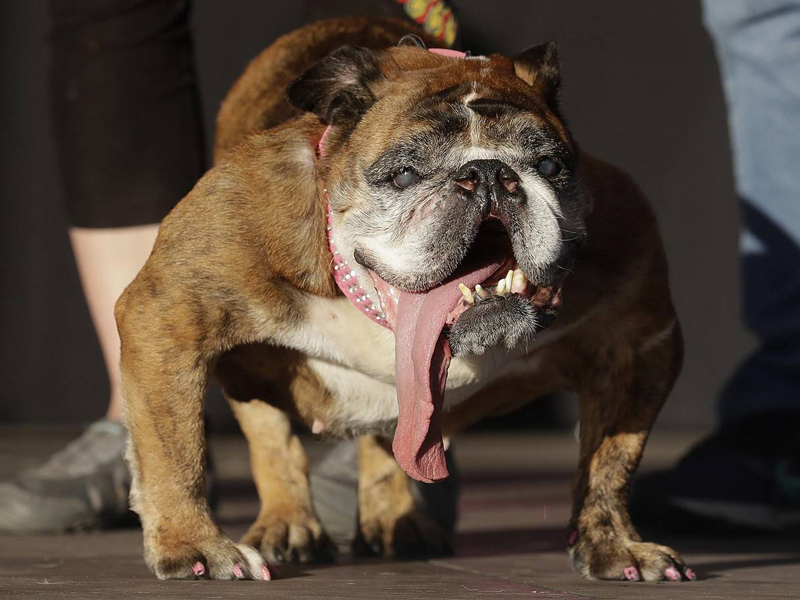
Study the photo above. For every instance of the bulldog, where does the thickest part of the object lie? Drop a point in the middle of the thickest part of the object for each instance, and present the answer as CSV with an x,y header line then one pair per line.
x,y
379,251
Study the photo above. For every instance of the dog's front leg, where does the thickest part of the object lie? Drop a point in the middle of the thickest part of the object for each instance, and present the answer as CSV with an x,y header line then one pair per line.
x,y
164,376
619,403
287,528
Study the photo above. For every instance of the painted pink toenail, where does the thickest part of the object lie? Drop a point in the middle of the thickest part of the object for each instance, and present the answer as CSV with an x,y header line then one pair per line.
x,y
689,574
265,574
672,573
573,537
198,569
631,573
237,571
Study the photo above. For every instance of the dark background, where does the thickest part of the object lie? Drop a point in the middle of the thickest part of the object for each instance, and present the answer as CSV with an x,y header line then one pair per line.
x,y
641,89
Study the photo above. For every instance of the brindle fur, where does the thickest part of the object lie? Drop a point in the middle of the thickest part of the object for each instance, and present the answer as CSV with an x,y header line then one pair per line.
x,y
228,283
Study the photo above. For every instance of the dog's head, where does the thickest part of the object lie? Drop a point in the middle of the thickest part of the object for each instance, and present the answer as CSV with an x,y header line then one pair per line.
x,y
453,186
438,166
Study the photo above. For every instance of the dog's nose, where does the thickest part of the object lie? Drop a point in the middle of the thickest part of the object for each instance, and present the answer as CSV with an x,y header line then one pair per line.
x,y
489,179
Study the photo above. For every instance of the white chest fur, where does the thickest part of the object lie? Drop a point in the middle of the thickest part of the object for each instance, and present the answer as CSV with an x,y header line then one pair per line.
x,y
354,358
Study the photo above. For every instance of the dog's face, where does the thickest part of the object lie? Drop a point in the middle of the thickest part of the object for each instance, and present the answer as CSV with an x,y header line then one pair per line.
x,y
451,171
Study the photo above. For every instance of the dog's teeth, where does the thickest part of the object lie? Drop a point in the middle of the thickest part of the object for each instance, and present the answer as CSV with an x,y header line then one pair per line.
x,y
482,293
501,288
467,293
509,280
518,282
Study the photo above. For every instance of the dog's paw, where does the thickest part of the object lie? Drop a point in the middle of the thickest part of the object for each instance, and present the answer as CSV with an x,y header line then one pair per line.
x,y
215,558
410,536
299,539
506,320
627,560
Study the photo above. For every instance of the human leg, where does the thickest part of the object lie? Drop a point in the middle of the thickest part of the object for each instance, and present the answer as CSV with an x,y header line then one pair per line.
x,y
747,474
127,130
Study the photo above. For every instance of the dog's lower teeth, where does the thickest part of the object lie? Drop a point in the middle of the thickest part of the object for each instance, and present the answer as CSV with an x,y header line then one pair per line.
x,y
467,293
501,288
518,282
514,282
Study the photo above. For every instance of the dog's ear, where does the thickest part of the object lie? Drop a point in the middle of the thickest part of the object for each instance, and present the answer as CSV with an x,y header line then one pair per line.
x,y
538,67
336,89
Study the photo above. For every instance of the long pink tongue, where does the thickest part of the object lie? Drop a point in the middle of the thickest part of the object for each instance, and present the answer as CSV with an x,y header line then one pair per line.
x,y
422,357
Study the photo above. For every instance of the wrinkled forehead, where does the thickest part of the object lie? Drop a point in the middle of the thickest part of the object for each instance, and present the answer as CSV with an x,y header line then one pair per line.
x,y
469,103
475,101
437,117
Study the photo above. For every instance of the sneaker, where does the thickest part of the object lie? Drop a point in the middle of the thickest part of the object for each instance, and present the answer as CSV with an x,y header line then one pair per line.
x,y
745,477
82,487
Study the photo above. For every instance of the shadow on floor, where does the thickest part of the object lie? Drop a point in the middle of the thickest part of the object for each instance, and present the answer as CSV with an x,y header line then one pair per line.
x,y
752,551
755,551
510,541
714,569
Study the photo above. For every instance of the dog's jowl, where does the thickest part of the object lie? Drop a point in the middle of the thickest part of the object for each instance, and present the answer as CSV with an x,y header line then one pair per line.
x,y
393,243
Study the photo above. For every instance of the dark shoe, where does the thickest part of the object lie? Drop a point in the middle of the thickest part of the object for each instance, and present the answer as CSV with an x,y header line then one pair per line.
x,y
744,477
84,486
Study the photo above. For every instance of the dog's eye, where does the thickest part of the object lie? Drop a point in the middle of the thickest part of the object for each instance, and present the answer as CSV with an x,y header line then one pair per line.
x,y
405,177
548,167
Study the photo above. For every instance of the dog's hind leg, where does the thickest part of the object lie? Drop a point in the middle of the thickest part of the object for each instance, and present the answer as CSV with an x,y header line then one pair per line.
x,y
620,396
287,528
392,523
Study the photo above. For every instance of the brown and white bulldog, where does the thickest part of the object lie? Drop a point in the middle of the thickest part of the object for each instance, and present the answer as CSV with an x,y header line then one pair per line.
x,y
378,256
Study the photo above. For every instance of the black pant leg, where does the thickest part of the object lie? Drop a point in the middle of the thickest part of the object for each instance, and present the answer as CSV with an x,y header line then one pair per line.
x,y
125,108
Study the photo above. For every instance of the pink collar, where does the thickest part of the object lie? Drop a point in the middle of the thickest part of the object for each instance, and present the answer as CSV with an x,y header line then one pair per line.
x,y
344,274
347,280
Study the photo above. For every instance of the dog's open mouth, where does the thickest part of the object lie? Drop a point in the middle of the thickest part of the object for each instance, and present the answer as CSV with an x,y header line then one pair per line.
x,y
492,248
422,322
506,283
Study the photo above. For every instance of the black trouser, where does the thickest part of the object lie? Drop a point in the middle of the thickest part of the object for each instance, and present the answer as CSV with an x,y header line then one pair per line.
x,y
125,108
125,104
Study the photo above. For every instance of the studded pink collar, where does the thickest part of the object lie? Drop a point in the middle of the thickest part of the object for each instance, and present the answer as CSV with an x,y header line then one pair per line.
x,y
344,275
347,280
